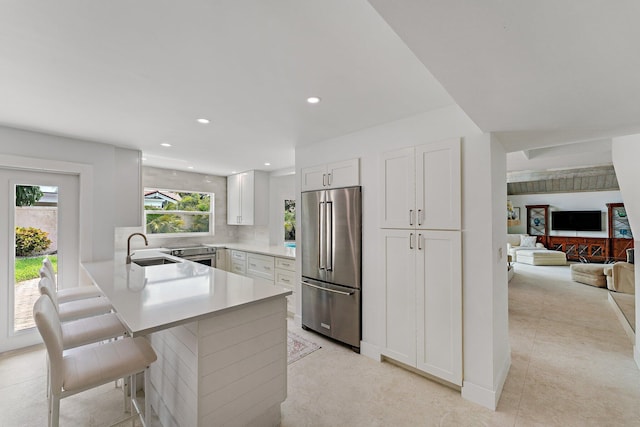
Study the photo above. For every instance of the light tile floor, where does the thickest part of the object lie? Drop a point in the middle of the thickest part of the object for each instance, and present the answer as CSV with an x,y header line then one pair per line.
x,y
572,365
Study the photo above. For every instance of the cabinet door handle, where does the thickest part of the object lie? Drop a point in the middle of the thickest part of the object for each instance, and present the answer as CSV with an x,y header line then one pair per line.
x,y
419,242
419,216
324,179
410,216
329,179
410,240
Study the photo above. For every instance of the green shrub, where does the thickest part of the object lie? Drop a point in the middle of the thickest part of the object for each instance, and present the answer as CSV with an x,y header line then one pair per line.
x,y
30,240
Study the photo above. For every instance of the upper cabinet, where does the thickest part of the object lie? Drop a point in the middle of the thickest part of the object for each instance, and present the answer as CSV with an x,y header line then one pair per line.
x,y
332,175
421,187
248,198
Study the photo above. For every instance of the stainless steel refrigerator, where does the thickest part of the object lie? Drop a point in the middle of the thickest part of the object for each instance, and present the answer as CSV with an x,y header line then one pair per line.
x,y
331,250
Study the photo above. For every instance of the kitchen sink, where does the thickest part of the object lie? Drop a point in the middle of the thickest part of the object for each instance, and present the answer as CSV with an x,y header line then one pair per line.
x,y
147,262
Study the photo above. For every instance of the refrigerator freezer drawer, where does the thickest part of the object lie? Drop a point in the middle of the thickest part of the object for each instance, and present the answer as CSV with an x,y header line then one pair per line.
x,y
332,310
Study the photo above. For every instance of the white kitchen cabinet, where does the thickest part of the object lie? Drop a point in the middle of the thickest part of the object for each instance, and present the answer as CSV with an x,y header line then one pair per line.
x,y
421,187
268,270
261,267
222,259
423,288
332,175
399,277
248,198
286,277
238,262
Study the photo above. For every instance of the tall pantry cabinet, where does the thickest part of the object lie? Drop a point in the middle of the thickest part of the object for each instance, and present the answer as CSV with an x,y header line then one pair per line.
x,y
421,242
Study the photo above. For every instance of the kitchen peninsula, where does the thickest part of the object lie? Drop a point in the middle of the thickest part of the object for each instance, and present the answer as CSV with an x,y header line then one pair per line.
x,y
221,338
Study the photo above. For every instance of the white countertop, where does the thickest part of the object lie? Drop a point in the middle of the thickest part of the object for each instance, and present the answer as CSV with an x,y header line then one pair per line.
x,y
148,299
279,251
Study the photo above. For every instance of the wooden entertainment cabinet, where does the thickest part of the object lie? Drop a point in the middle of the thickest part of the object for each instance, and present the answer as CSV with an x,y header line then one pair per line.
x,y
591,249
586,249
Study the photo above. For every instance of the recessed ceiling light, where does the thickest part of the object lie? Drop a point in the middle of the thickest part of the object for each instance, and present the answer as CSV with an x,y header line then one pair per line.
x,y
313,100
166,144
143,158
204,121
189,167
267,164
234,171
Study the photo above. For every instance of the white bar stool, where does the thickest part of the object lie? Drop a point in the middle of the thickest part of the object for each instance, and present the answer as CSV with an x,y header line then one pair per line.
x,y
90,366
70,294
90,330
76,309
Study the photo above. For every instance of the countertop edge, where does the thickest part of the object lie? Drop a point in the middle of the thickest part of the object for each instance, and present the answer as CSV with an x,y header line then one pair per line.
x,y
199,317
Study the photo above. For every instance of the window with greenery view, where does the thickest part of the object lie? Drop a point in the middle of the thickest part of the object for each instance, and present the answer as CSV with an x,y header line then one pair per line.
x,y
177,212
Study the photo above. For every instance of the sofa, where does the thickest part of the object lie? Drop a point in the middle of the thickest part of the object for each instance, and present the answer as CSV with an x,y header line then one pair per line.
x,y
621,277
589,274
517,242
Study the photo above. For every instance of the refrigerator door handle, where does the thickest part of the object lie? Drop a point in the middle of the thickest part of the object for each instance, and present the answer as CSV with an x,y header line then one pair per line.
x,y
322,252
329,231
327,289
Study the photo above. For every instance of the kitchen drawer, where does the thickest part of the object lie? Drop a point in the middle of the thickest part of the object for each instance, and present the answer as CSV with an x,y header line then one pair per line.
x,y
239,255
261,266
286,264
238,266
285,278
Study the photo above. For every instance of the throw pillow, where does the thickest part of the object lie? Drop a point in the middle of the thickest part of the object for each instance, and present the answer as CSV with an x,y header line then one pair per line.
x,y
528,241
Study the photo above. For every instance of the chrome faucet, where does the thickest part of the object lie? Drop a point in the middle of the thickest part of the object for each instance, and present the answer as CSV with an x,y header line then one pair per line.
x,y
129,245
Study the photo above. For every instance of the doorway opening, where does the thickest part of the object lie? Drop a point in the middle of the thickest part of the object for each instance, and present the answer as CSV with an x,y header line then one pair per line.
x,y
35,236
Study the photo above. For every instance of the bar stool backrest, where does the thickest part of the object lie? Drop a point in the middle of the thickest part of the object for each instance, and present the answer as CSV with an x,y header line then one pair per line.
x,y
44,272
47,288
46,263
48,324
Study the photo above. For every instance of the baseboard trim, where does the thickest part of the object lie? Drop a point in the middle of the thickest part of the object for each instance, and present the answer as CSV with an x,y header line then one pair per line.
x,y
480,395
622,319
371,351
485,397
502,378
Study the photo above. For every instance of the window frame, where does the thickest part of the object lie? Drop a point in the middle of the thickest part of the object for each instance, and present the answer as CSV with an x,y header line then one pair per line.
x,y
210,212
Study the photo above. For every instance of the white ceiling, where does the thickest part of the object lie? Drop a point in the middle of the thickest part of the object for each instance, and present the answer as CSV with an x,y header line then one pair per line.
x,y
138,73
537,73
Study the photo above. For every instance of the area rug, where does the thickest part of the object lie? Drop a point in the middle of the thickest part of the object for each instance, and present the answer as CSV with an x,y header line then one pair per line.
x,y
298,347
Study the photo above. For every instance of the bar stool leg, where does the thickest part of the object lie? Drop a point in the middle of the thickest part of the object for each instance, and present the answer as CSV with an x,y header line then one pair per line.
x,y
54,420
147,397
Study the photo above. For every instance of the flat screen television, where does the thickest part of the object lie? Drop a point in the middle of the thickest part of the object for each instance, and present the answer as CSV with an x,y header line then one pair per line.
x,y
576,220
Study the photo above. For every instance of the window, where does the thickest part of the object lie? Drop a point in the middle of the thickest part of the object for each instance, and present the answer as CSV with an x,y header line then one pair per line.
x,y
177,212
289,220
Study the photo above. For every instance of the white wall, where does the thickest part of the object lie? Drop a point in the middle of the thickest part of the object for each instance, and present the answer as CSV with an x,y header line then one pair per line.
x,y
588,200
482,343
113,190
625,153
485,295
